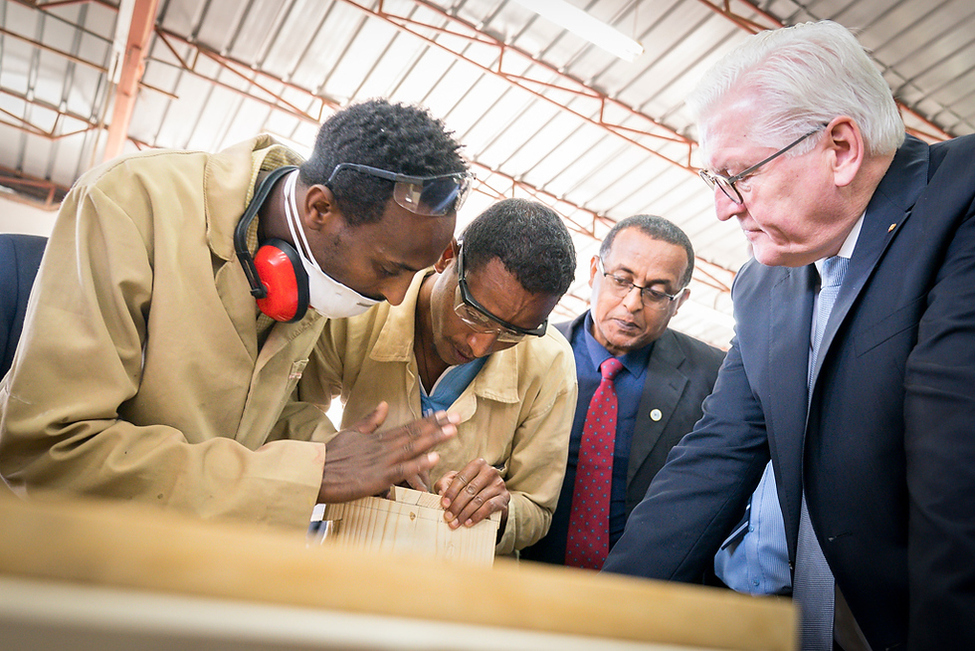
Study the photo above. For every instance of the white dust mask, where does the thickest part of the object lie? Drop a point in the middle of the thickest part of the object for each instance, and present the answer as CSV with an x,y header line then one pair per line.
x,y
327,296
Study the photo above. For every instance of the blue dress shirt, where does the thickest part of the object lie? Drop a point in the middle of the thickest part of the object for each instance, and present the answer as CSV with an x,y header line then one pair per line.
x,y
449,386
755,558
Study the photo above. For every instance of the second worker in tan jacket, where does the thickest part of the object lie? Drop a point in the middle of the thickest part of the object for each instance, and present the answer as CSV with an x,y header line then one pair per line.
x,y
472,337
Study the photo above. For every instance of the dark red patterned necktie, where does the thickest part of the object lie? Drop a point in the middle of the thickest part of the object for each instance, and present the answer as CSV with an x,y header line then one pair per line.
x,y
588,540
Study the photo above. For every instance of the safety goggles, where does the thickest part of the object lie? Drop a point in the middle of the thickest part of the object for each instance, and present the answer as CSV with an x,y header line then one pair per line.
x,y
479,319
422,195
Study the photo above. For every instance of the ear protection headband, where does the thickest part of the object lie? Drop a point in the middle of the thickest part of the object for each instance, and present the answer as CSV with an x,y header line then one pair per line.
x,y
276,275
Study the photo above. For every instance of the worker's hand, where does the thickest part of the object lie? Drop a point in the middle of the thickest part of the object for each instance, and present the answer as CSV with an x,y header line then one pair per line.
x,y
473,494
419,482
361,461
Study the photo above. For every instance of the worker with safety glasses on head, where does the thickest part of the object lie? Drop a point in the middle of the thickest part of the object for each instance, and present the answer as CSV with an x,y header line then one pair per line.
x,y
472,337
170,320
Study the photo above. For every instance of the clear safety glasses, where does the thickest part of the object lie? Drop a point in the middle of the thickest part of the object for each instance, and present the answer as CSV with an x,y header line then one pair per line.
x,y
423,195
479,319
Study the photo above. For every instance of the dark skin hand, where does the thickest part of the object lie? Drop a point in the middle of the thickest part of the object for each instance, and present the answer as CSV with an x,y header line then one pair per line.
x,y
360,461
473,494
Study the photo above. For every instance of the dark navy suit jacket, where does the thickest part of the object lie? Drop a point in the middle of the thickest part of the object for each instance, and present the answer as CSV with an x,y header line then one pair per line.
x,y
886,450
680,374
20,256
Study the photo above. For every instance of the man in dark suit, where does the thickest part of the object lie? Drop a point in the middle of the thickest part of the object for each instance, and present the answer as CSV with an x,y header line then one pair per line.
x,y
867,411
665,376
21,256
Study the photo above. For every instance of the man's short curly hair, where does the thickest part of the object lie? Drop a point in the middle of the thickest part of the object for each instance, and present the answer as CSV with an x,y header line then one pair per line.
x,y
396,137
656,228
529,238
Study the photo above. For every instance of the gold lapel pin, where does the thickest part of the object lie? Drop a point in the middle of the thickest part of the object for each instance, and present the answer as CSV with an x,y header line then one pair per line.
x,y
892,227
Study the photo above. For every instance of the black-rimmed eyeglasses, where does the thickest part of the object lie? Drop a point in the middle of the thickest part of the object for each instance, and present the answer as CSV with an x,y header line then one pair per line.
x,y
621,287
423,195
727,183
479,319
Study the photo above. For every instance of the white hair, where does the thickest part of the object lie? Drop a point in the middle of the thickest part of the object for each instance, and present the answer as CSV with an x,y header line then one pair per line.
x,y
803,77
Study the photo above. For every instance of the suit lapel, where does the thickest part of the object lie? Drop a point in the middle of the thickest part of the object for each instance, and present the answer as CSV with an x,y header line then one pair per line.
x,y
872,242
785,371
889,208
664,385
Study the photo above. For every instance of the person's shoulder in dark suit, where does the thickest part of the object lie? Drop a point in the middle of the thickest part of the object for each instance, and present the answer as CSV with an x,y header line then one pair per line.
x,y
698,353
21,255
565,327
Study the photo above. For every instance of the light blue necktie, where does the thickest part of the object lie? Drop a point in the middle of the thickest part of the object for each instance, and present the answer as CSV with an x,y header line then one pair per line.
x,y
834,271
814,587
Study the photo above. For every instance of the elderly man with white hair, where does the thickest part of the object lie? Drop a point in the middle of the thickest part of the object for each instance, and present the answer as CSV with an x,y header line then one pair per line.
x,y
853,360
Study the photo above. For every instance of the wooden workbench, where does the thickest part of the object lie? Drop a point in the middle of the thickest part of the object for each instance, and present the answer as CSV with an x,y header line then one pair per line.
x,y
84,575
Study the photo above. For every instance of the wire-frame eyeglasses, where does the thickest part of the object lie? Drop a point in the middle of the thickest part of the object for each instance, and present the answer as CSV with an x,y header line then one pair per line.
x,y
727,183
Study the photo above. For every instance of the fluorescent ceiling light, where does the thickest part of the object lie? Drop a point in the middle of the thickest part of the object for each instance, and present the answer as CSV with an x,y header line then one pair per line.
x,y
585,26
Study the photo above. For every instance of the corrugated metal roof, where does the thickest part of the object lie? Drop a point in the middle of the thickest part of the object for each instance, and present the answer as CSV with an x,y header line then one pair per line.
x,y
541,112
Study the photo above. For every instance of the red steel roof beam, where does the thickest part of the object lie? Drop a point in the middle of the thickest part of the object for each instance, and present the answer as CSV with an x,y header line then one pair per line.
x,y
143,20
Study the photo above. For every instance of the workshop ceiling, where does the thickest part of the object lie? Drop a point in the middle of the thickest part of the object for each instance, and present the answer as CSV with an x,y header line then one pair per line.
x,y
541,112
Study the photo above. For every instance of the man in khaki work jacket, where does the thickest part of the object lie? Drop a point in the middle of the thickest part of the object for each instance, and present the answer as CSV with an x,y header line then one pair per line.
x,y
146,371
472,337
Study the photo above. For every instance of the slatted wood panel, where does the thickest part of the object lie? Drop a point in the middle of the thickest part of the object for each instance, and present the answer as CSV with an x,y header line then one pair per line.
x,y
411,521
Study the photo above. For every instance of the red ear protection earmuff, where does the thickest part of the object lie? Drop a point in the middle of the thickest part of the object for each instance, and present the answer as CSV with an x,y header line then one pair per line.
x,y
284,280
277,278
